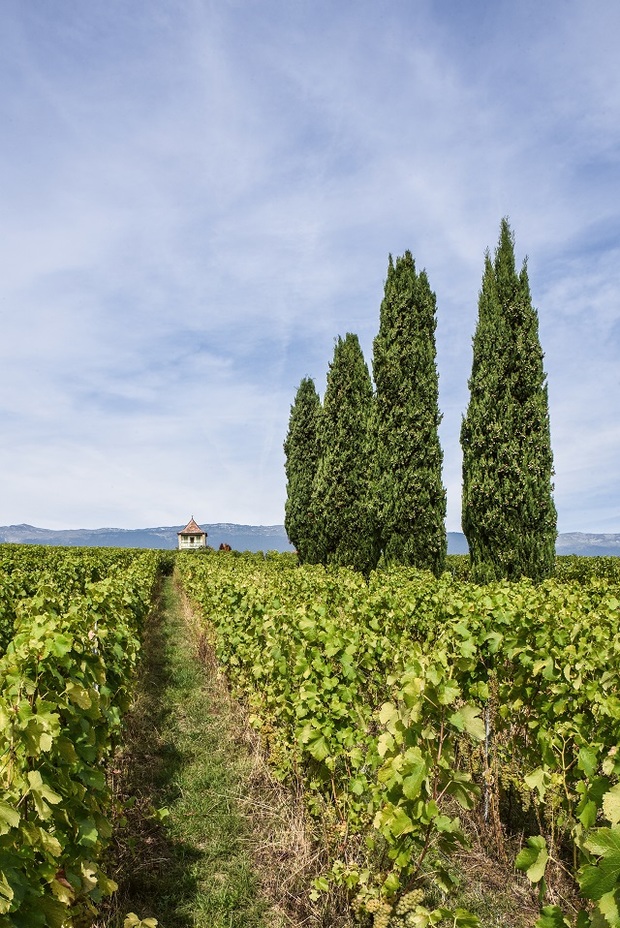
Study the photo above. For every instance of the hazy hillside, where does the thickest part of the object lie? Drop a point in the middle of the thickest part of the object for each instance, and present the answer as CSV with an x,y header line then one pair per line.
x,y
240,537
580,543
568,543
249,538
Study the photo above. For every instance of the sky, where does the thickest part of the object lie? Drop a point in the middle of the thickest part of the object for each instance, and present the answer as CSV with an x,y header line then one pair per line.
x,y
198,197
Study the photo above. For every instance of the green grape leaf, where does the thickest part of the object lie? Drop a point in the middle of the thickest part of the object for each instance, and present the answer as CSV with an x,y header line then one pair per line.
x,y
608,906
391,883
597,880
385,743
317,746
61,645
533,858
604,842
467,719
415,772
54,910
399,822
611,804
6,893
449,692
539,780
9,817
66,750
587,761
50,843
465,919
463,790
587,814
79,695
42,794
551,916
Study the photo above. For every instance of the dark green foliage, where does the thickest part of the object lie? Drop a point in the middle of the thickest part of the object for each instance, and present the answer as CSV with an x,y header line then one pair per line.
x,y
340,490
509,516
302,457
409,500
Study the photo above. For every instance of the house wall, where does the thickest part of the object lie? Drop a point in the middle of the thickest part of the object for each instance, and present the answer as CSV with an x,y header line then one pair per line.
x,y
188,542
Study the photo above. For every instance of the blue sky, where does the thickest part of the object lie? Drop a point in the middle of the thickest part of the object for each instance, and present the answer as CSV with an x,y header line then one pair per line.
x,y
198,197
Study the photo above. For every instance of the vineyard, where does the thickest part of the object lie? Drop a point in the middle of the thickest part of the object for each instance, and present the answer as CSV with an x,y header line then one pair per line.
x,y
408,705
70,625
413,712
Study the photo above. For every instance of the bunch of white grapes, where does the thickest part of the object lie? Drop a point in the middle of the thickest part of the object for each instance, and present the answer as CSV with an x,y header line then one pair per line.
x,y
381,912
401,917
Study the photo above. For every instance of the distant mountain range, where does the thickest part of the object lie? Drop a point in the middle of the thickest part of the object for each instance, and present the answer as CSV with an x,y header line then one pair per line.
x,y
239,537
249,538
566,543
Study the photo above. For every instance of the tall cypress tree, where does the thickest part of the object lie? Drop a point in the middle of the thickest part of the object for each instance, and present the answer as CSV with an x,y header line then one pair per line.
x,y
509,516
301,448
409,499
341,486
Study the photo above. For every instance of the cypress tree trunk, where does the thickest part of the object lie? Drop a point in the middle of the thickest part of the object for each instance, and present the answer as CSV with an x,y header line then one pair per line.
x,y
302,449
340,498
409,500
509,517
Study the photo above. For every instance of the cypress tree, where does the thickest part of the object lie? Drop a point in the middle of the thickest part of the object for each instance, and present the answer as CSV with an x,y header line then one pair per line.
x,y
509,517
340,490
301,448
408,497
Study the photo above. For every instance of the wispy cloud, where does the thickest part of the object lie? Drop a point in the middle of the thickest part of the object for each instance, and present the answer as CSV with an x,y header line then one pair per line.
x,y
199,197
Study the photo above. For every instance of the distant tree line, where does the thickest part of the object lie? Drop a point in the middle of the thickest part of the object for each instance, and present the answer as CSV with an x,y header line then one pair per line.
x,y
363,467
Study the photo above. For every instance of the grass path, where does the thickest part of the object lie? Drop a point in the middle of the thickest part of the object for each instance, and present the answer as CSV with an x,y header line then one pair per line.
x,y
183,855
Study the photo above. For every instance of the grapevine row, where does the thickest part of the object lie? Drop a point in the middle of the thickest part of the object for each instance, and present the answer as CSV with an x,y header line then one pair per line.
x,y
403,699
64,684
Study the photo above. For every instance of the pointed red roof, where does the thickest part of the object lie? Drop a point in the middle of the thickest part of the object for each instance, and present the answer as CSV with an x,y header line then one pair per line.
x,y
191,529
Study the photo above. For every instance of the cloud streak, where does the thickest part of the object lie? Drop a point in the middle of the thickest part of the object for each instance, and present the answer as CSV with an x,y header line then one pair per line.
x,y
199,197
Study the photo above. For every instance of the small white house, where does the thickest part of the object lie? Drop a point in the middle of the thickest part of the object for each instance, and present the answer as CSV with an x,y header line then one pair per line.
x,y
191,537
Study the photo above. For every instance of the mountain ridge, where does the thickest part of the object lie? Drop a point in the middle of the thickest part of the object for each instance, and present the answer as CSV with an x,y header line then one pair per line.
x,y
253,538
241,537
